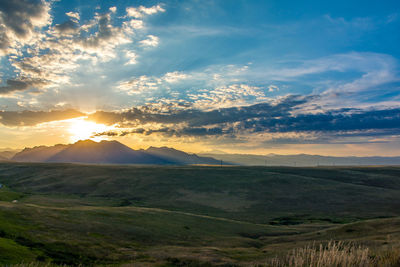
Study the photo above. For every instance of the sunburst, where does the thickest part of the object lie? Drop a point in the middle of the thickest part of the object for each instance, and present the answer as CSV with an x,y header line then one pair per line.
x,y
82,129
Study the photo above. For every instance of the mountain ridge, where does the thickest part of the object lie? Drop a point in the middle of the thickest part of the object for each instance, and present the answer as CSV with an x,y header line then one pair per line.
x,y
303,160
114,152
109,152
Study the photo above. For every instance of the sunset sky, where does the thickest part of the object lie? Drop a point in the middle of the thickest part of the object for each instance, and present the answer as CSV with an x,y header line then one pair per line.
x,y
251,77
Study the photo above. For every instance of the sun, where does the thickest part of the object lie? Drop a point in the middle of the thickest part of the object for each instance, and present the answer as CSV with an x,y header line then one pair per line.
x,y
81,129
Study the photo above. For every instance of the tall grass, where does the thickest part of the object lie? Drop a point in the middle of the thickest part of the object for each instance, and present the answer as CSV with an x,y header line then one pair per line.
x,y
336,254
38,264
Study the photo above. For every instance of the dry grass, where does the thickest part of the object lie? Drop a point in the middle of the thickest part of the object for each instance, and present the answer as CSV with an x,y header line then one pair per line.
x,y
336,254
36,264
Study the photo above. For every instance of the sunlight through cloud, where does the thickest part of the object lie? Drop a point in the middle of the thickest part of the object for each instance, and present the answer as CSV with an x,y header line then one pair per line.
x,y
81,129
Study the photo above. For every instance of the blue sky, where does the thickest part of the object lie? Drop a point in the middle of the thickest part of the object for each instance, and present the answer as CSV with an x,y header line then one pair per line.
x,y
175,58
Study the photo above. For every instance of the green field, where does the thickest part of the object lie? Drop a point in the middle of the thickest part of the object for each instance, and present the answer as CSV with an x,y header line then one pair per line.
x,y
195,215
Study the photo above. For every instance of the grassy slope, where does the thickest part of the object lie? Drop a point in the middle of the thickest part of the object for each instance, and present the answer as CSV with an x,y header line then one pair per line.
x,y
82,213
256,194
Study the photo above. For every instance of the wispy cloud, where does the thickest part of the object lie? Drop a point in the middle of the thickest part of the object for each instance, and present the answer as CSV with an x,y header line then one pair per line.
x,y
150,41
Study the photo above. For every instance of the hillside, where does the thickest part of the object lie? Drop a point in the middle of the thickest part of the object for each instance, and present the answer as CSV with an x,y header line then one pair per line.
x,y
257,194
108,152
191,215
180,156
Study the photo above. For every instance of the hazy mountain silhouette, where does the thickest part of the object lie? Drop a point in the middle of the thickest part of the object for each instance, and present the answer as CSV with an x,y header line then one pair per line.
x,y
301,160
8,153
113,152
108,152
38,153
180,157
105,152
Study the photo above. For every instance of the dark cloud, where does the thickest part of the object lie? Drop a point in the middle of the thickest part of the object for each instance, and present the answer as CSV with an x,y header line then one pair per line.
x,y
32,118
18,14
67,27
106,32
198,118
19,17
279,118
337,120
198,131
21,85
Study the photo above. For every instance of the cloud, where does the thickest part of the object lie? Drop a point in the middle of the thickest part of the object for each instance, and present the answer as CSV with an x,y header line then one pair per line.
x,y
359,23
67,27
21,85
32,118
131,56
173,77
273,88
143,84
220,86
44,55
228,96
150,41
376,69
198,118
18,19
138,85
274,121
139,12
105,39
74,15
113,9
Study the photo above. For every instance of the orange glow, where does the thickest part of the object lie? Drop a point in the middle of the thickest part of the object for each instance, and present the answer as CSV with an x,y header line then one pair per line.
x,y
81,129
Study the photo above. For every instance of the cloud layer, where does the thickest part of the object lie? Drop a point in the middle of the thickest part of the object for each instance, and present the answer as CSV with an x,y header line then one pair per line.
x,y
33,118
279,119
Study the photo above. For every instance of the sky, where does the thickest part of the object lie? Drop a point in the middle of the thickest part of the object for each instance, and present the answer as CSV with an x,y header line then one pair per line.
x,y
249,77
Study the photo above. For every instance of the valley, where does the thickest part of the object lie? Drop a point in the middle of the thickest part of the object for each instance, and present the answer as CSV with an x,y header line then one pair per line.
x,y
122,214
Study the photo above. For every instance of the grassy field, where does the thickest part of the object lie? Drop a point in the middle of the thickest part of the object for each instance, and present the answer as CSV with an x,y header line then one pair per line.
x,y
195,215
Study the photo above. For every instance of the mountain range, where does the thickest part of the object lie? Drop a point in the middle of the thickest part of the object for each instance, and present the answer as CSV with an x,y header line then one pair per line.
x,y
7,153
109,152
301,160
113,152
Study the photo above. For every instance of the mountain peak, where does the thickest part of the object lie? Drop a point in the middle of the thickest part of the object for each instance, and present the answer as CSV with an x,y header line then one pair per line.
x,y
85,142
163,148
109,152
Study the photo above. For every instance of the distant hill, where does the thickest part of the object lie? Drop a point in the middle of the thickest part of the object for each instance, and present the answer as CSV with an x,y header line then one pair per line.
x,y
108,152
38,153
180,156
7,153
302,160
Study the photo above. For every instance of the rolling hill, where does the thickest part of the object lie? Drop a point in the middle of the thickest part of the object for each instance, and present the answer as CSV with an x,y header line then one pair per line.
x,y
190,215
